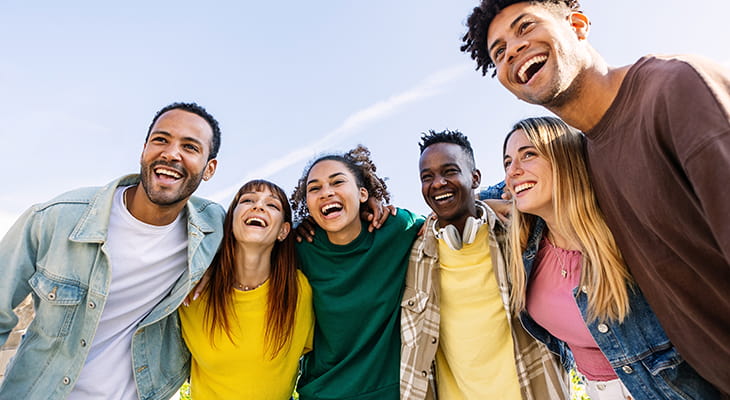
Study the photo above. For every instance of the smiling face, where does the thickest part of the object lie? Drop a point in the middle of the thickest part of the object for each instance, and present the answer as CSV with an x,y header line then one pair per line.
x,y
539,52
528,176
258,218
333,200
448,180
175,157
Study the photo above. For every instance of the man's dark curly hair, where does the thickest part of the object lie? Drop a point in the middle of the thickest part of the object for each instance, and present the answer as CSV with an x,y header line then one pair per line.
x,y
447,136
358,162
202,113
475,39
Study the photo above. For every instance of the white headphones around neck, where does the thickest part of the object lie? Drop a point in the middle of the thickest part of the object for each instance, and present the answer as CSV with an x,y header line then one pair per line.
x,y
451,235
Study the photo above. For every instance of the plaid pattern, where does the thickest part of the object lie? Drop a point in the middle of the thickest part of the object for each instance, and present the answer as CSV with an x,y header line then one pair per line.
x,y
540,375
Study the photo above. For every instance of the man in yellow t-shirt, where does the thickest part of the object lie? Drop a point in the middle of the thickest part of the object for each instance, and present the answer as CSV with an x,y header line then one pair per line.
x,y
455,310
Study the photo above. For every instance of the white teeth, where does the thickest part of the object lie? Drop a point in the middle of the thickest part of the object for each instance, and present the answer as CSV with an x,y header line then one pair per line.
x,y
256,220
443,196
523,69
523,186
329,207
168,172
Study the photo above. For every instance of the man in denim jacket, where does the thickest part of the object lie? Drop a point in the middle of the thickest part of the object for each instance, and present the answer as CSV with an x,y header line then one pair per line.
x,y
107,268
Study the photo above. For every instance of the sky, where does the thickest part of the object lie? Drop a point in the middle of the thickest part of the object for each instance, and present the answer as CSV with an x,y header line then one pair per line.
x,y
80,82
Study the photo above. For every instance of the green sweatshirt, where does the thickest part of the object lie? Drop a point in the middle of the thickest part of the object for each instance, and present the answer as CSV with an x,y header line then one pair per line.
x,y
357,290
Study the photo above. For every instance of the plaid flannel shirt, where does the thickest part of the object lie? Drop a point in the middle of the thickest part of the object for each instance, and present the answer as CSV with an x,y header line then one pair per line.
x,y
540,375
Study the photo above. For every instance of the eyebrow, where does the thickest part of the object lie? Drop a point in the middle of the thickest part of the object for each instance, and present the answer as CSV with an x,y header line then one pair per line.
x,y
186,138
330,177
444,165
511,26
521,149
270,196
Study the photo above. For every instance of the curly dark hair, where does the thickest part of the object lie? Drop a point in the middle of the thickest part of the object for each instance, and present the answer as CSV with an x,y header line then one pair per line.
x,y
358,162
202,113
447,136
475,39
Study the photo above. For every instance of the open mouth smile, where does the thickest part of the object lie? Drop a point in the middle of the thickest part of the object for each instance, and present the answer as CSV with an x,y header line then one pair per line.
x,y
530,68
524,186
444,196
330,208
255,221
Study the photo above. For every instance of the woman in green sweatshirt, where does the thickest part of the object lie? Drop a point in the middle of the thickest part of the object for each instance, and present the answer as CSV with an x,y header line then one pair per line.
x,y
357,280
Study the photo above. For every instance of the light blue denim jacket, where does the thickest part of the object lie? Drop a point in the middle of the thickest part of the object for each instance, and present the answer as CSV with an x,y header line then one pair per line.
x,y
638,349
56,252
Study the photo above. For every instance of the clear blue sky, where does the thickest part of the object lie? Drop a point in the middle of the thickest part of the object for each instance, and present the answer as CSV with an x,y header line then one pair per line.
x,y
81,80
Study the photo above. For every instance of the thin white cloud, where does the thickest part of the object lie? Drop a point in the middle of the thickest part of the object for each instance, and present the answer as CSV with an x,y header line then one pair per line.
x,y
429,87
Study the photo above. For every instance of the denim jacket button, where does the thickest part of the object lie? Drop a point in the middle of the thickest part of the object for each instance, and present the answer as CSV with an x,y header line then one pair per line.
x,y
92,305
82,342
433,340
603,328
411,303
424,373
51,296
66,380
627,369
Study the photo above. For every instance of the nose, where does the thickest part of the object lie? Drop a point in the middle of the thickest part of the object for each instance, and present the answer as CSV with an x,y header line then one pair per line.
x,y
439,181
514,169
326,191
171,152
515,48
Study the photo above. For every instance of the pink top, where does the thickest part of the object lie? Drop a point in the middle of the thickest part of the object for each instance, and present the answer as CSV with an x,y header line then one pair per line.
x,y
551,304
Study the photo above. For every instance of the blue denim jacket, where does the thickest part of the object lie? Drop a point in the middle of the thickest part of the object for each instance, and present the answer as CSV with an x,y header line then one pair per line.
x,y
638,349
55,252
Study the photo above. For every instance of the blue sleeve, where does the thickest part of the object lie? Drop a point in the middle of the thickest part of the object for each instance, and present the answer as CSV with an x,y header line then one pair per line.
x,y
18,254
492,192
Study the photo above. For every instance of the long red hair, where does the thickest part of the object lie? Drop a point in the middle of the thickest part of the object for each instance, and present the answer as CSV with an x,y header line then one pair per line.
x,y
283,283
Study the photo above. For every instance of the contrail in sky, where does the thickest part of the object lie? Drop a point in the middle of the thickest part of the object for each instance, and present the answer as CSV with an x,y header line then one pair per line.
x,y
429,87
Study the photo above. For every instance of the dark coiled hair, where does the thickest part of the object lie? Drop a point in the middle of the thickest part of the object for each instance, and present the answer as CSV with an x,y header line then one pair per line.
x,y
358,162
475,39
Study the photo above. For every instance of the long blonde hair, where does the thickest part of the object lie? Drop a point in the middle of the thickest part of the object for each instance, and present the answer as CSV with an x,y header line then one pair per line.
x,y
604,274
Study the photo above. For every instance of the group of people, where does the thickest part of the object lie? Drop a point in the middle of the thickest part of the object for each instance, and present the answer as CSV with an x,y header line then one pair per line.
x,y
610,258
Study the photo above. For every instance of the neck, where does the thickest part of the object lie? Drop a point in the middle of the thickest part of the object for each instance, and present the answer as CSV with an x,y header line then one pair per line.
x,y
140,206
253,265
561,239
345,236
595,89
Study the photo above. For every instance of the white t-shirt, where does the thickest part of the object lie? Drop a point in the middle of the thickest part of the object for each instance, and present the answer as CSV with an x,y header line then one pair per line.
x,y
146,261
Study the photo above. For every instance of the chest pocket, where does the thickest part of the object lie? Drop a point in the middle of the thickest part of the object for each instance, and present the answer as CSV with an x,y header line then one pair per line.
x,y
413,315
56,303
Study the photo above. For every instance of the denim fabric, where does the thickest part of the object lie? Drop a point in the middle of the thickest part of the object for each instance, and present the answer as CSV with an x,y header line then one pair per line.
x,y
56,253
638,349
492,192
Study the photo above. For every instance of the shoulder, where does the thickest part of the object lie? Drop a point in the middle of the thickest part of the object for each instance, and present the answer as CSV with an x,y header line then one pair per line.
x,y
407,219
202,205
208,210
75,198
660,68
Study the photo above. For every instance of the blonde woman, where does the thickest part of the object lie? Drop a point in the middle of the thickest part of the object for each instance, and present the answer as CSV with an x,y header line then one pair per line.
x,y
569,281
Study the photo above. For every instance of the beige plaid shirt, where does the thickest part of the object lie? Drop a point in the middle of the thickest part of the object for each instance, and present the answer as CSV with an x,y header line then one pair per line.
x,y
540,375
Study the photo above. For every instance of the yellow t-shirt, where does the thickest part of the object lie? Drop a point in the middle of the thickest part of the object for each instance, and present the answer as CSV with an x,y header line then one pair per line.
x,y
475,357
243,369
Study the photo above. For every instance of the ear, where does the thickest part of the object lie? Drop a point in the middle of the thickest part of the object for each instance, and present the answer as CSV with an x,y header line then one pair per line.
x,y
364,195
210,169
476,178
580,23
283,231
